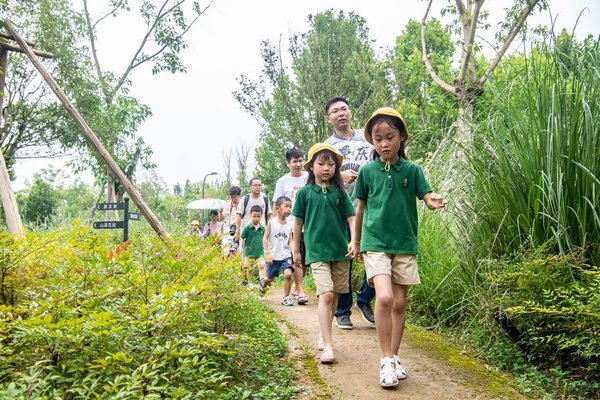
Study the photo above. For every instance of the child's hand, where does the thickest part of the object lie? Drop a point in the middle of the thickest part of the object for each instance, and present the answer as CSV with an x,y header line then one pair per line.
x,y
297,259
269,259
436,202
354,250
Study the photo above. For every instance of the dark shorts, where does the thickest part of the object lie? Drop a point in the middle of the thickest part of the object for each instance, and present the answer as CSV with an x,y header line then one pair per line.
x,y
274,269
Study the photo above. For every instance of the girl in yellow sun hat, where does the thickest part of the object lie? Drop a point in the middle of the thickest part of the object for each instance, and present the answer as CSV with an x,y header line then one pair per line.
x,y
322,207
386,230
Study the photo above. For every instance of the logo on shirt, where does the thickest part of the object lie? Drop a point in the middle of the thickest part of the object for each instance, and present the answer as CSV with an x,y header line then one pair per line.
x,y
293,192
355,155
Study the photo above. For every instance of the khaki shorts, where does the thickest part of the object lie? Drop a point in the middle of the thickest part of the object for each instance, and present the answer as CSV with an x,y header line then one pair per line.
x,y
333,276
401,267
250,263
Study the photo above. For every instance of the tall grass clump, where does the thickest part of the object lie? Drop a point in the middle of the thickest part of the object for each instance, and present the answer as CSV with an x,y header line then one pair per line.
x,y
536,168
532,222
443,297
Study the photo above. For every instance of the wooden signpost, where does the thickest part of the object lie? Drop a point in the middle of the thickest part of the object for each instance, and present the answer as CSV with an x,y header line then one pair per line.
x,y
127,216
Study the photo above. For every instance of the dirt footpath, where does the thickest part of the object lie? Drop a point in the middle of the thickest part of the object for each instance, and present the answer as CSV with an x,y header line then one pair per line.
x,y
355,373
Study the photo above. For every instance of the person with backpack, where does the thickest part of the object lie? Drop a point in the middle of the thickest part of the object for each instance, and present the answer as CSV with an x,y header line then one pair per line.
x,y
255,198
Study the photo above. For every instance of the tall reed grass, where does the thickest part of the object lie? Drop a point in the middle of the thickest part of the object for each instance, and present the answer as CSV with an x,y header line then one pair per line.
x,y
536,167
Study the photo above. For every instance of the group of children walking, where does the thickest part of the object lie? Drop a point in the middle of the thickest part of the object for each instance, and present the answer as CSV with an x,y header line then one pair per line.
x,y
320,218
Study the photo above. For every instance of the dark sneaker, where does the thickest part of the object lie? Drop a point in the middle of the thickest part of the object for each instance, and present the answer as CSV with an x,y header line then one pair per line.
x,y
261,287
367,312
343,321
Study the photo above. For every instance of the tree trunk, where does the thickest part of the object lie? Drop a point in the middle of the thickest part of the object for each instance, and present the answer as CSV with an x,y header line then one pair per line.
x,y
9,202
464,126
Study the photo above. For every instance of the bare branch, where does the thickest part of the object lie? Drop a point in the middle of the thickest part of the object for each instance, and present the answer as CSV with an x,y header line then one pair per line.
x,y
130,67
92,37
30,43
512,33
447,87
45,156
108,13
161,14
460,7
468,39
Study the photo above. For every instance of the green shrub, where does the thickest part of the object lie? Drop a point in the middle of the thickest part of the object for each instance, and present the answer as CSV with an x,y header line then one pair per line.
x,y
140,320
528,232
552,304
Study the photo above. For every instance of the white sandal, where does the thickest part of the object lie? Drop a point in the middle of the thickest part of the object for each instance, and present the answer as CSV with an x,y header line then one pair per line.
x,y
327,356
320,343
400,371
387,373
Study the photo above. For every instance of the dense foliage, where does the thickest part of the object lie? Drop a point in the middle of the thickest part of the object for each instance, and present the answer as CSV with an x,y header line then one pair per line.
x,y
511,267
82,319
518,259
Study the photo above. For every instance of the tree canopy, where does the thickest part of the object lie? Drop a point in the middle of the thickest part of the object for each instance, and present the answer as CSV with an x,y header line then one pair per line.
x,y
334,58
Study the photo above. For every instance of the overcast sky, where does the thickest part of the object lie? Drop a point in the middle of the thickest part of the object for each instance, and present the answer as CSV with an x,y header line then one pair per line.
x,y
195,117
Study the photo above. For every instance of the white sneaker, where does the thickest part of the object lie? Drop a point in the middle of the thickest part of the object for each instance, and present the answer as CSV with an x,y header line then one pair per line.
x,y
400,371
387,373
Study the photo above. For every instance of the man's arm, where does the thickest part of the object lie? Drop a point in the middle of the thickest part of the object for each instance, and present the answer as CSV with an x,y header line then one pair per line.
x,y
266,248
238,225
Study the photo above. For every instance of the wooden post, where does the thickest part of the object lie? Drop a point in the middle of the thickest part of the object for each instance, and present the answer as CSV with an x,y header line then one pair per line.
x,y
89,134
9,202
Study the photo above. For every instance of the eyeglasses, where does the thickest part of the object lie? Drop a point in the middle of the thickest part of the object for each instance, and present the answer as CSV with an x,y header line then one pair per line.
x,y
336,111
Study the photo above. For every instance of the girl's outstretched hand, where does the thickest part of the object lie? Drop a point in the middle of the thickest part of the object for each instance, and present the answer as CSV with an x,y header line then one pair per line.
x,y
435,201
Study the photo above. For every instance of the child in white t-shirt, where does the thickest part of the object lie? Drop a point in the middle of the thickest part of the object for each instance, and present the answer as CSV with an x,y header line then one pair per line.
x,y
278,255
287,186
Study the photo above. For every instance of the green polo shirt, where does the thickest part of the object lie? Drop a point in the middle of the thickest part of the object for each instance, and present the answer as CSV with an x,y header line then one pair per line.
x,y
324,214
390,220
253,244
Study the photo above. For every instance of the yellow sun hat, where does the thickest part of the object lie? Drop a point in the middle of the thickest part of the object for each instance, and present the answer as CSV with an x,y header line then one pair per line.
x,y
317,147
389,111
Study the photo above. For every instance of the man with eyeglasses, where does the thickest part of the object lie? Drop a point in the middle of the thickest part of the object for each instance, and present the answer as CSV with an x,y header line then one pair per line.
x,y
256,197
243,217
356,151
